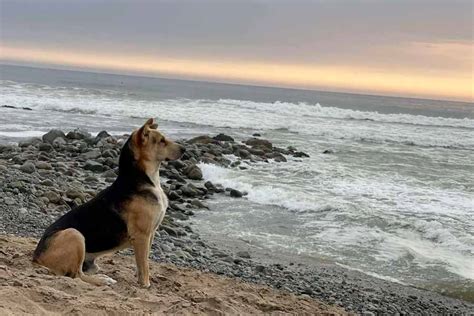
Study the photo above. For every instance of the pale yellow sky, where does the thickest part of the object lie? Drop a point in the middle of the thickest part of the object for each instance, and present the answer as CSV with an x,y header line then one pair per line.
x,y
389,80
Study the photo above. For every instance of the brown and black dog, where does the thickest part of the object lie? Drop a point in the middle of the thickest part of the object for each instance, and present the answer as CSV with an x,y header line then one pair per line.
x,y
126,214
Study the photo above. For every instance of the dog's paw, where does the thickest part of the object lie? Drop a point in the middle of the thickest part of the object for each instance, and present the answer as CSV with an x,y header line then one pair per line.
x,y
145,285
107,280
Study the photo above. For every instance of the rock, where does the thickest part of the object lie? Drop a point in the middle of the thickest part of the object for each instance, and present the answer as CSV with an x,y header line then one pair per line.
x,y
78,134
189,190
172,231
256,135
93,166
276,156
43,165
58,142
198,204
101,135
178,164
74,193
193,172
109,174
28,167
236,193
257,142
243,254
50,136
210,186
204,139
52,196
93,154
328,151
244,154
29,142
45,147
223,138
47,182
260,268
173,195
300,154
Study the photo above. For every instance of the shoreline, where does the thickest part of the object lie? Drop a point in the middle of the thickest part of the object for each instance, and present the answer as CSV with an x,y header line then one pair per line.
x,y
43,178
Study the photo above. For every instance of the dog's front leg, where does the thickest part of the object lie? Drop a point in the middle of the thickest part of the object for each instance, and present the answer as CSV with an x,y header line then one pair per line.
x,y
141,247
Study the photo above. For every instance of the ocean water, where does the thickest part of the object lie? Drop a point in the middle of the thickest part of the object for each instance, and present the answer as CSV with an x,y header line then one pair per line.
x,y
395,199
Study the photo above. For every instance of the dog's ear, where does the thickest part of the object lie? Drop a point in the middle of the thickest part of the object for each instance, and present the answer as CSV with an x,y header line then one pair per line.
x,y
144,131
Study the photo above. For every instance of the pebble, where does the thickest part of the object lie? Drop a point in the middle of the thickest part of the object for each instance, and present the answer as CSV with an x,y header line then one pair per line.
x,y
28,167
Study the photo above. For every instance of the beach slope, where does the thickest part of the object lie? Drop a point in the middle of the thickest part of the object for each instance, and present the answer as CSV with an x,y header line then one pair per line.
x,y
29,289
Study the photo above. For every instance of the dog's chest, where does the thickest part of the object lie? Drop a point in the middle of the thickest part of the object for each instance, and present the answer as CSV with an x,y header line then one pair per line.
x,y
160,206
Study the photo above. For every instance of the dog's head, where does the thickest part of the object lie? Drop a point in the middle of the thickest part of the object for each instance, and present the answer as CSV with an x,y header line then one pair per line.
x,y
150,145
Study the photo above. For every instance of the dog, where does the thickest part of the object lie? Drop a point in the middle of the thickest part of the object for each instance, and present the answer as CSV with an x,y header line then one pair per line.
x,y
126,214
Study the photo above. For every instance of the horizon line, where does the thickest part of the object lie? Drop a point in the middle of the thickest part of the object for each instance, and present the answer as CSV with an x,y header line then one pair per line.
x,y
164,77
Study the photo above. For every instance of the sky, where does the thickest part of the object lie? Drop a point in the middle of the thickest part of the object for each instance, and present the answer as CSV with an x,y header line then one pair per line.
x,y
417,48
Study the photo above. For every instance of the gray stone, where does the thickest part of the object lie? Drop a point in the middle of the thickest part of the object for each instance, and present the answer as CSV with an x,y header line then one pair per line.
x,y
257,142
243,254
193,172
109,174
78,134
58,142
52,196
93,154
43,165
223,138
93,166
204,139
74,193
29,142
50,136
45,147
235,193
28,167
47,182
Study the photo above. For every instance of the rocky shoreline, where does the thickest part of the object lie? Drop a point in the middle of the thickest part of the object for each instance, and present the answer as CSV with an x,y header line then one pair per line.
x,y
40,179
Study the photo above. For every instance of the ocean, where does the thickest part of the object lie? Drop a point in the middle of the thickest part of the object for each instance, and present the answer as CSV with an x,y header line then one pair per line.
x,y
394,198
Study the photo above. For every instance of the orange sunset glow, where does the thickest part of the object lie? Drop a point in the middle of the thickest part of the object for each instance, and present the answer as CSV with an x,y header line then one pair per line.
x,y
443,84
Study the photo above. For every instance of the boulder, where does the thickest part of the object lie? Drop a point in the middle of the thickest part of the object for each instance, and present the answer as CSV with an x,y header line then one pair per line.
x,y
78,134
29,142
193,172
300,154
101,135
46,147
50,136
236,193
203,139
93,154
257,142
93,166
223,138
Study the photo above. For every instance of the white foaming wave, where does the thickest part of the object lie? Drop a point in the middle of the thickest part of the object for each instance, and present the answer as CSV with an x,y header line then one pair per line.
x,y
260,194
81,98
317,110
314,120
22,134
426,253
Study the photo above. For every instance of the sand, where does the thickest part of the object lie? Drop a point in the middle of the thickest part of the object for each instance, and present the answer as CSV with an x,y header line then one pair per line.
x,y
29,289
